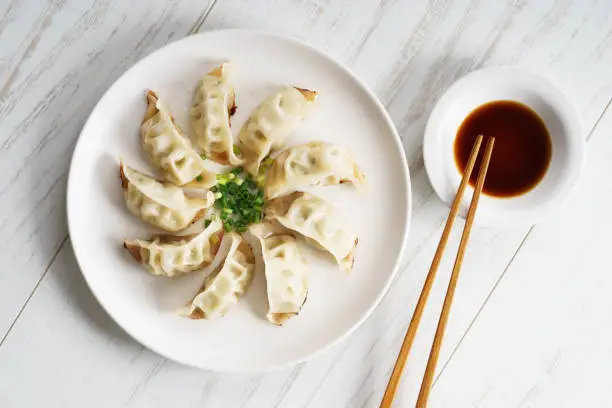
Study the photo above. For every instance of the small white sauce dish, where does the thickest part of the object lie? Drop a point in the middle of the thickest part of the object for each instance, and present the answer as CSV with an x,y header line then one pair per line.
x,y
563,124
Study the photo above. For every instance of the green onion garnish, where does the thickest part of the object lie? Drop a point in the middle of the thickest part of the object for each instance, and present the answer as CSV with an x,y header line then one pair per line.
x,y
239,200
199,179
261,180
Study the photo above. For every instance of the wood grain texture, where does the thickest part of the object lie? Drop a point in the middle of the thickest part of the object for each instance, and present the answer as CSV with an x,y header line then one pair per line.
x,y
398,369
57,58
434,354
409,53
544,338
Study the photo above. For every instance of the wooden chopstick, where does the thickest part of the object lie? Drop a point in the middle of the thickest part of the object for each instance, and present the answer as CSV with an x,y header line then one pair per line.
x,y
420,306
448,300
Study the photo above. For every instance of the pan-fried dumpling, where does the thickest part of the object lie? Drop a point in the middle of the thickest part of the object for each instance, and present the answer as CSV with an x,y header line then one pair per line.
x,y
224,286
285,270
168,149
271,122
163,205
315,163
213,105
319,223
170,255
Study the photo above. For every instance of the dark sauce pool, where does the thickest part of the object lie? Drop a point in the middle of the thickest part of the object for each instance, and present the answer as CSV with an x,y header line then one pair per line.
x,y
522,152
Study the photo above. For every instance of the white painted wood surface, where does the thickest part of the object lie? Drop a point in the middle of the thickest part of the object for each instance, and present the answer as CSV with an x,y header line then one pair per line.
x,y
530,326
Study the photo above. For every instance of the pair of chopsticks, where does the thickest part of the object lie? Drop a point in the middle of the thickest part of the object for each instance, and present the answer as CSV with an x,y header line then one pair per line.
x,y
448,300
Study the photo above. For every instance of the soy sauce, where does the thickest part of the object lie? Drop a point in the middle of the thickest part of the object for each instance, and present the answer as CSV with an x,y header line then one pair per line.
x,y
522,151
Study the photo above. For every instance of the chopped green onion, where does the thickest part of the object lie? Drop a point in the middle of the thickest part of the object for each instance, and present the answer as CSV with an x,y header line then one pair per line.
x,y
199,179
203,156
265,165
250,183
239,199
236,149
207,223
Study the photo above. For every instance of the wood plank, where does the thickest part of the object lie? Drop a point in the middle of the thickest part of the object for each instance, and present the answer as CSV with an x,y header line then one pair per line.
x,y
409,53
67,324
544,337
60,58
423,48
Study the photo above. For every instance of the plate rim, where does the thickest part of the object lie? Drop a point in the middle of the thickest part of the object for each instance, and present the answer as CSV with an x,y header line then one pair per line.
x,y
71,198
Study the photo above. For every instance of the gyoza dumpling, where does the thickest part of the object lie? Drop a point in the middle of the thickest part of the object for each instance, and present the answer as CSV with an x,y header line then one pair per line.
x,y
163,205
315,163
168,149
271,122
285,270
319,223
213,105
226,283
169,255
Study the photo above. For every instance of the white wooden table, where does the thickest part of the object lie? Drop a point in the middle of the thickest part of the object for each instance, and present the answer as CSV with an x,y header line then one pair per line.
x,y
531,324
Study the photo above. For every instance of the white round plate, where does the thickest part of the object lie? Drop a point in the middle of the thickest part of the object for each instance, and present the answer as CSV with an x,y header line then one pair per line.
x,y
561,119
242,341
